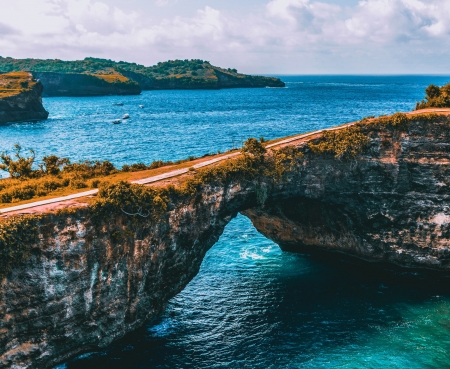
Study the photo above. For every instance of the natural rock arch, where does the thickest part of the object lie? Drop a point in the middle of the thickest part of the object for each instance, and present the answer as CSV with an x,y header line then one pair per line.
x,y
89,285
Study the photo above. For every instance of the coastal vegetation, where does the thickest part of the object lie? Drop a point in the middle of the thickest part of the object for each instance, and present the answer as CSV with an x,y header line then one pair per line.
x,y
17,237
59,176
344,143
172,74
255,168
15,83
435,97
20,98
349,142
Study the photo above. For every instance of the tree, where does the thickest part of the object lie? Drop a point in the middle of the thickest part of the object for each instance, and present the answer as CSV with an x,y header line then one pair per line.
x,y
52,164
432,92
21,167
253,148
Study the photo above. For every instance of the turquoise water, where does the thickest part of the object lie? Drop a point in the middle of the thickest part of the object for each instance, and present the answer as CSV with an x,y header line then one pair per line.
x,y
251,305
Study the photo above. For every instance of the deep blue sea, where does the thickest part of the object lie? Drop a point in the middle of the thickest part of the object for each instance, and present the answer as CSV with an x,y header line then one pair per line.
x,y
251,305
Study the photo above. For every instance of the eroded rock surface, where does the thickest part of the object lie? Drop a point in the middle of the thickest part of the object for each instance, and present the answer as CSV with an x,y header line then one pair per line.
x,y
88,284
20,98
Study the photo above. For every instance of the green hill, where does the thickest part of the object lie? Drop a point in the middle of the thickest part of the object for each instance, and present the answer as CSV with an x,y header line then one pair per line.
x,y
173,74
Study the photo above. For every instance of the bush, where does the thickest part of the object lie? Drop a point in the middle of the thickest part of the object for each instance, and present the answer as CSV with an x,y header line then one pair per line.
x,y
131,199
18,193
254,148
21,166
345,143
51,165
138,167
157,164
17,235
76,184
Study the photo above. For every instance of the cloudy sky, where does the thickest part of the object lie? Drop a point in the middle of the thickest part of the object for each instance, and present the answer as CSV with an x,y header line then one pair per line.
x,y
254,36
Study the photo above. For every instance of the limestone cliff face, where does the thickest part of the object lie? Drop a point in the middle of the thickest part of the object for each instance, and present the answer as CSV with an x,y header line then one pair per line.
x,y
88,284
20,98
77,84
392,206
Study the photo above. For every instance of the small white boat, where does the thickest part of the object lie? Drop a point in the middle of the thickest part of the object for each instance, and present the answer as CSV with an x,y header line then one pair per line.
x,y
117,121
141,106
126,116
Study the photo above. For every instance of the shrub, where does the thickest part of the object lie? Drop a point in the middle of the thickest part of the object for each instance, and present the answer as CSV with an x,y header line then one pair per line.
x,y
21,166
18,193
131,199
253,148
345,143
95,183
157,164
76,184
51,165
138,167
17,235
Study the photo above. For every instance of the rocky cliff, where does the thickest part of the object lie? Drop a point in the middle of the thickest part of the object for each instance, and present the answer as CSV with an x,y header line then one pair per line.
x,y
20,98
77,84
90,280
80,77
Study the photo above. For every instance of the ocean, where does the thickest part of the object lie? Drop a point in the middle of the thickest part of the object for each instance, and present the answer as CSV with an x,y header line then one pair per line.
x,y
252,305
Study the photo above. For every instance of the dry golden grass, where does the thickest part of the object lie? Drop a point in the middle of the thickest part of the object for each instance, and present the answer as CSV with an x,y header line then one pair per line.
x,y
112,78
15,83
112,178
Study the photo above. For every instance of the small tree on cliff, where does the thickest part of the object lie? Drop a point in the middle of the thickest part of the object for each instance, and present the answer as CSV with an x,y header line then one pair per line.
x,y
52,164
253,148
18,166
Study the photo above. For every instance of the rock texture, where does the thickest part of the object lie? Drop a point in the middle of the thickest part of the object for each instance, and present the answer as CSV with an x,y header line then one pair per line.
x,y
77,84
391,206
20,98
88,284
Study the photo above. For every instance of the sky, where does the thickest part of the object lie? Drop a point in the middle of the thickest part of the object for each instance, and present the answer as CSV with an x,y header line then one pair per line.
x,y
254,36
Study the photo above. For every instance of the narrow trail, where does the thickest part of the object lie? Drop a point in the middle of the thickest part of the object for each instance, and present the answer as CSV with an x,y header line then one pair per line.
x,y
178,172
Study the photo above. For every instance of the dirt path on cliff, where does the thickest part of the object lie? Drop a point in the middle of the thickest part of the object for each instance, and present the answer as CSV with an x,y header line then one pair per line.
x,y
81,199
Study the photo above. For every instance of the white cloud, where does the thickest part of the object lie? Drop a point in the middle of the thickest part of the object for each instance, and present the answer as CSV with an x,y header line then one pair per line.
x,y
291,35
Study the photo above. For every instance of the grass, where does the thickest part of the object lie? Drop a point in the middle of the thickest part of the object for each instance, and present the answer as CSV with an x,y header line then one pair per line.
x,y
111,178
112,78
12,84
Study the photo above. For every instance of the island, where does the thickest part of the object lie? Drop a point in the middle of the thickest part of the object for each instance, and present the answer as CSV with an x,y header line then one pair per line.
x,y
95,77
20,98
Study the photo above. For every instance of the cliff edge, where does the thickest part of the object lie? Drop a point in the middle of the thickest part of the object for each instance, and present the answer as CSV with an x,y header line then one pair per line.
x,y
20,98
79,278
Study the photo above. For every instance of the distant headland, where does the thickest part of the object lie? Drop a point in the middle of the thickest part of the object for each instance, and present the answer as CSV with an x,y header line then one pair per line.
x,y
99,77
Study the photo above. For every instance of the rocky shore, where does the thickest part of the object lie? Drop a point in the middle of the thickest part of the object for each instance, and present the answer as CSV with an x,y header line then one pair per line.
x,y
20,98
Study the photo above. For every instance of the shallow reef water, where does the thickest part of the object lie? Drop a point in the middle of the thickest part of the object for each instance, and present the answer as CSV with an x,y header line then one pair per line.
x,y
252,305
